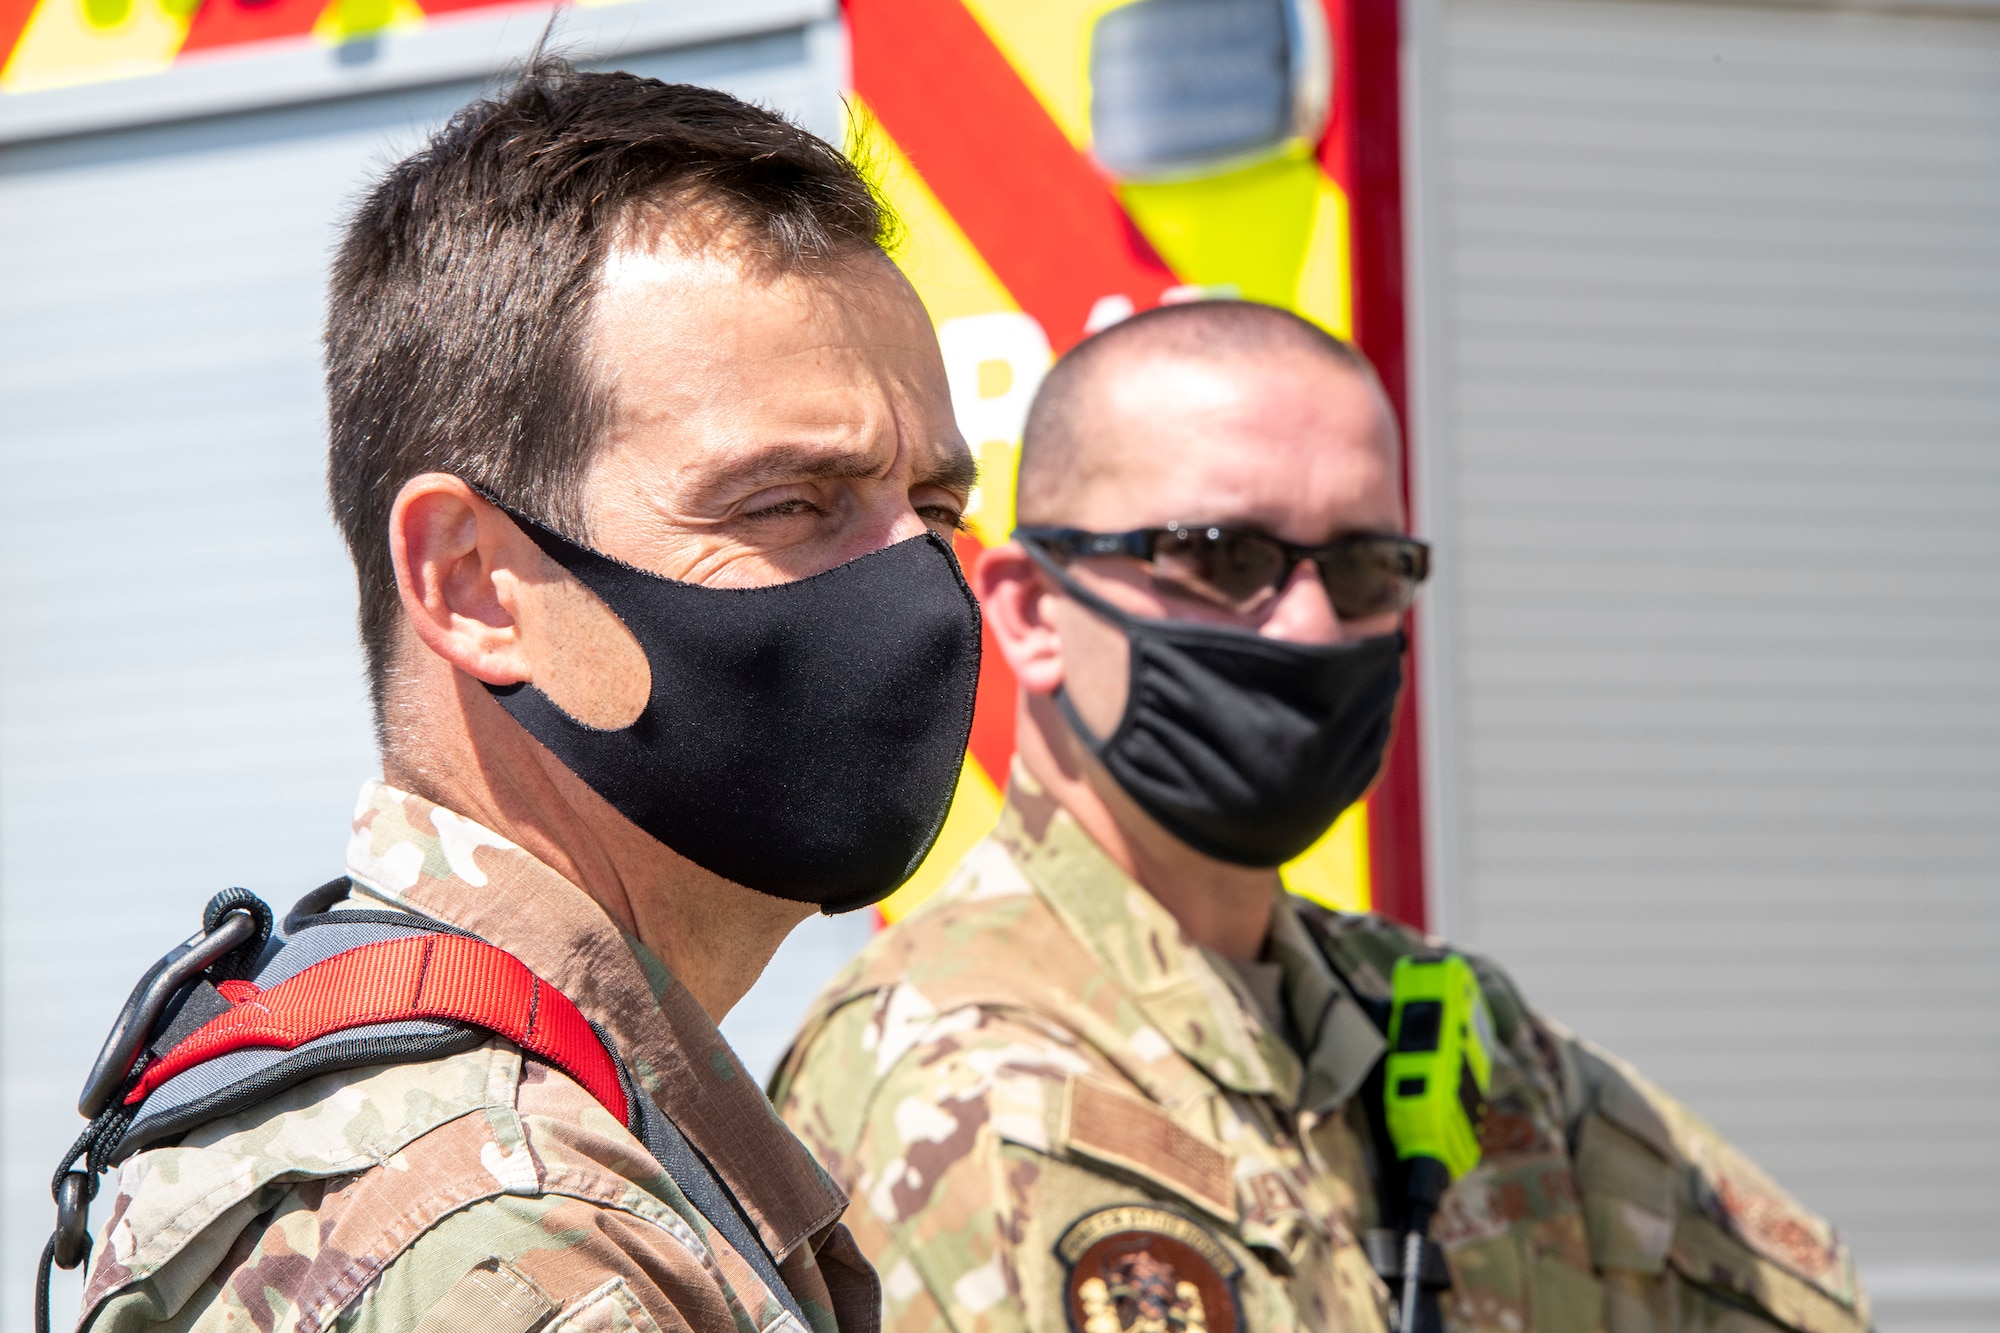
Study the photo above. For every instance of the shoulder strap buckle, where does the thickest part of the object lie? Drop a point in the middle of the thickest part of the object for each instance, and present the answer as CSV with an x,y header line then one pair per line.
x,y
243,918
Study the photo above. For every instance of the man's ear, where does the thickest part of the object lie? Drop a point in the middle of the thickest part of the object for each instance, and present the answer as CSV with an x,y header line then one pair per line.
x,y
460,563
1014,595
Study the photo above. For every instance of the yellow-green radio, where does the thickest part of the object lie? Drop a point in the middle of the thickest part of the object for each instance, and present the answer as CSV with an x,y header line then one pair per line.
x,y
1440,1064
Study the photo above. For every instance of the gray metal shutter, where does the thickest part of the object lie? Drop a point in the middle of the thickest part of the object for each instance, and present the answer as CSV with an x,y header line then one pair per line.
x,y
181,700
1713,433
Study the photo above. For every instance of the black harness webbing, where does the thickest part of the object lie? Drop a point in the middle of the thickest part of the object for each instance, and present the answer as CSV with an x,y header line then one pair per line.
x,y
234,954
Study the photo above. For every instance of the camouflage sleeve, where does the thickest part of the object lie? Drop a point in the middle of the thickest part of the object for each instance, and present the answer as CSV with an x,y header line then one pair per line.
x,y
563,1257
1600,1200
1688,1232
1683,1231
578,1260
935,1187
949,1194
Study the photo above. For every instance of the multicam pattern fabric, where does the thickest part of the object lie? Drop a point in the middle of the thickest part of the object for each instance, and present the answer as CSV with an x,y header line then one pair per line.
x,y
1039,1044
374,1199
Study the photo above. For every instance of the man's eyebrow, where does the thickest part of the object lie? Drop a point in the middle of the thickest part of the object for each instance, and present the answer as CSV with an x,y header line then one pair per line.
x,y
779,463
787,462
954,469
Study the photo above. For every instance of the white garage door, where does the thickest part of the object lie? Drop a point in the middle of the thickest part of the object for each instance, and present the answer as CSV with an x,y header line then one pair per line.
x,y
1713,356
181,699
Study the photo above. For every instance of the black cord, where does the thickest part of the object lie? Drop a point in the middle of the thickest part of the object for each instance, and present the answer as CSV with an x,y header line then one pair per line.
x,y
43,1276
42,1285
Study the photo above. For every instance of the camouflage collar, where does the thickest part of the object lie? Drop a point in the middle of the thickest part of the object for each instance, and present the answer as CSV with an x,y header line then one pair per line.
x,y
422,857
1202,1013
1342,1042
1200,1007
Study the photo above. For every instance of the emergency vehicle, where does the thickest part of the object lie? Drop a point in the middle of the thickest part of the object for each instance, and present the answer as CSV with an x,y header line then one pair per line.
x,y
1057,165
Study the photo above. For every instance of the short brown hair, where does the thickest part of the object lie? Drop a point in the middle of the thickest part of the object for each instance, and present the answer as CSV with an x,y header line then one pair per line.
x,y
457,326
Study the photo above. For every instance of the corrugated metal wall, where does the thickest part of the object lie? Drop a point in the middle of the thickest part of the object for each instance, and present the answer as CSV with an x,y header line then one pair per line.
x,y
181,702
1713,410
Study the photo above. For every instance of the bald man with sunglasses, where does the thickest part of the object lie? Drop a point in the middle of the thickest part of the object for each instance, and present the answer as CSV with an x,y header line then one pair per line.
x,y
1113,1077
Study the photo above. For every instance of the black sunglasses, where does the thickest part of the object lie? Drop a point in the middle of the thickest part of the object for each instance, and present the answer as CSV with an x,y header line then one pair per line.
x,y
1366,574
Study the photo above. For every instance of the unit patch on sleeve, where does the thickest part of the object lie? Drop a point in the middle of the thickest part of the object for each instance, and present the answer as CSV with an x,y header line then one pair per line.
x,y
1134,1268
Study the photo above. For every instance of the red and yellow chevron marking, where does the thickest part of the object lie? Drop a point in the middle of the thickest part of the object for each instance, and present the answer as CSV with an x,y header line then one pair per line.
x,y
973,116
60,43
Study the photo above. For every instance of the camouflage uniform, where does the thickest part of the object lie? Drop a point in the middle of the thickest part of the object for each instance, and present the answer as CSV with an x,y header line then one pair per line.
x,y
1036,1060
484,1190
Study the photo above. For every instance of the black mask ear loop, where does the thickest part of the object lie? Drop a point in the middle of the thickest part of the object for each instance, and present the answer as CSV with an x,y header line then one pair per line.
x,y
1106,612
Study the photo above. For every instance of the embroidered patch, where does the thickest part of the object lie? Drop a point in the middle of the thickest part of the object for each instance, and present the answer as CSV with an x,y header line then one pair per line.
x,y
1776,1228
1133,1268
1139,1137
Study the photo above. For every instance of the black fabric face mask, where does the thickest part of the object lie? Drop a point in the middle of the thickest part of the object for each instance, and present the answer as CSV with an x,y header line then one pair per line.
x,y
1243,747
802,739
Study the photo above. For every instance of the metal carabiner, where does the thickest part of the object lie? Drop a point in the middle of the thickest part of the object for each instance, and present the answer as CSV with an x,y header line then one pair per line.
x,y
234,919
150,998
72,1241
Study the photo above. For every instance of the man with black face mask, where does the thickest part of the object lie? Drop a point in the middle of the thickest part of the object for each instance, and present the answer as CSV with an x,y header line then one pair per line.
x,y
645,456
1113,1077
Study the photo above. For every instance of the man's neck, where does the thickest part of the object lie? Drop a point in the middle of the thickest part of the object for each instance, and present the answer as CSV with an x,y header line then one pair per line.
x,y
466,754
1221,907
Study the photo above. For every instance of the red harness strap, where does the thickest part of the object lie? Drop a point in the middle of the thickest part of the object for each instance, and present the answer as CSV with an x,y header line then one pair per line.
x,y
422,976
